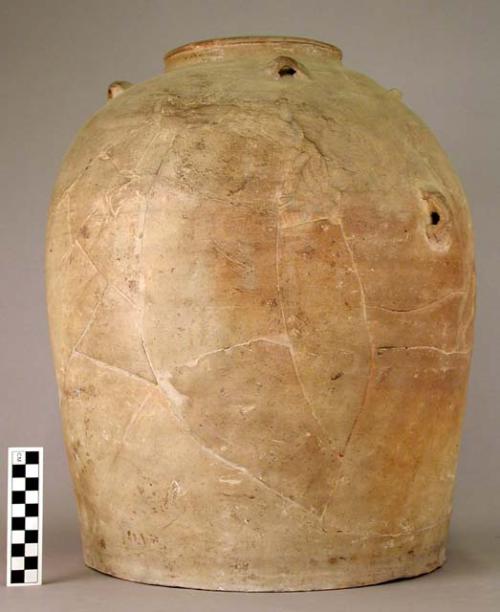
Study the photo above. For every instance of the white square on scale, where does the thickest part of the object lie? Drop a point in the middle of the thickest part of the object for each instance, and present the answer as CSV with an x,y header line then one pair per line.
x,y
17,563
18,457
30,550
18,510
31,522
31,576
32,470
18,484
18,537
32,497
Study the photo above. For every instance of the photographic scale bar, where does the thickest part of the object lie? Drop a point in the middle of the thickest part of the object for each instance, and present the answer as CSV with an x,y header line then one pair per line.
x,y
24,516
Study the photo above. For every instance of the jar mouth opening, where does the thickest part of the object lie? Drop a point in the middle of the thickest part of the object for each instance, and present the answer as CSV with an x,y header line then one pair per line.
x,y
215,48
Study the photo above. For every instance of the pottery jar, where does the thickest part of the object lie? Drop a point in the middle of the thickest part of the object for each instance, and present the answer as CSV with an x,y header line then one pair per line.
x,y
260,287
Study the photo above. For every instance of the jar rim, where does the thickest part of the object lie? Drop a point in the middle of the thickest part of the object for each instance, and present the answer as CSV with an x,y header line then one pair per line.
x,y
211,47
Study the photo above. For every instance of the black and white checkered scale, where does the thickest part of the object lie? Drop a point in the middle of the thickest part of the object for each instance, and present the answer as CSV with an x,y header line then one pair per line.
x,y
25,516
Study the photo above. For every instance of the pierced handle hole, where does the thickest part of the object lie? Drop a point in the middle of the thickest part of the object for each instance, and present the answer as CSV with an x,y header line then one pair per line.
x,y
286,71
437,221
117,88
435,217
285,67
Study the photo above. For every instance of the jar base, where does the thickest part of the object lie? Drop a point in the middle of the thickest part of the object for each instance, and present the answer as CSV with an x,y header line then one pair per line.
x,y
352,575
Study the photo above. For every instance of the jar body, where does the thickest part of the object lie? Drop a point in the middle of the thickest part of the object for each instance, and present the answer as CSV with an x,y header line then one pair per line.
x,y
260,285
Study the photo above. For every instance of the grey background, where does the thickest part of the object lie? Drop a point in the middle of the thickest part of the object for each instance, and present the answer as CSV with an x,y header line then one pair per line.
x,y
57,58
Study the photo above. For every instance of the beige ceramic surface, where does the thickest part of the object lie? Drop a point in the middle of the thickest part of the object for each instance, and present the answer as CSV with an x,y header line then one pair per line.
x,y
260,285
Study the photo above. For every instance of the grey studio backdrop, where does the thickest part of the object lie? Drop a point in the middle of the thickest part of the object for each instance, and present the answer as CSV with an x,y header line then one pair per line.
x,y
57,58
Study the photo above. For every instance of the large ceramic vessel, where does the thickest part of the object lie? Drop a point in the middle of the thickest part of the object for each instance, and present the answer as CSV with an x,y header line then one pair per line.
x,y
261,295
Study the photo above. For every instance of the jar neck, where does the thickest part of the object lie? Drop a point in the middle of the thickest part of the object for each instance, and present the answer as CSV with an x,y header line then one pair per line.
x,y
218,49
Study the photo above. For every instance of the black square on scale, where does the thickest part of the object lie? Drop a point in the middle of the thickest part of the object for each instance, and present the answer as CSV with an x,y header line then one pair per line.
x,y
31,536
17,576
31,510
18,523
18,497
31,484
18,471
31,456
17,550
31,563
